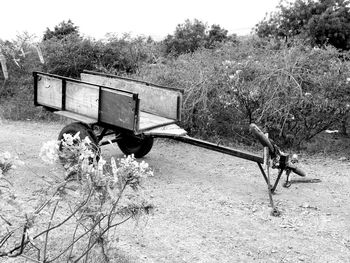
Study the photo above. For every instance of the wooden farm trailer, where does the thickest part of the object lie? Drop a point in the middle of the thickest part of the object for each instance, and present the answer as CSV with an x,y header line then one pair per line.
x,y
135,112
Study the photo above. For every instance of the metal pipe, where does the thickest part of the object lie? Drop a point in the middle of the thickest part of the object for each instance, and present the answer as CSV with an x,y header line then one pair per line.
x,y
215,147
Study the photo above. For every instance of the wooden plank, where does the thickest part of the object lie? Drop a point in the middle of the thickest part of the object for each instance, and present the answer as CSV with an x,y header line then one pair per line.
x,y
82,99
155,100
149,121
168,130
118,109
76,116
49,92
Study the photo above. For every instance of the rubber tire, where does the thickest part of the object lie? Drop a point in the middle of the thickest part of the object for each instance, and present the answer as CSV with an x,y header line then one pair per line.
x,y
129,144
84,130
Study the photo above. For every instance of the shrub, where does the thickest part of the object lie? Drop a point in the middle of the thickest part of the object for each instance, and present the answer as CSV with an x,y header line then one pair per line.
x,y
69,55
76,218
197,74
320,22
16,93
294,92
192,35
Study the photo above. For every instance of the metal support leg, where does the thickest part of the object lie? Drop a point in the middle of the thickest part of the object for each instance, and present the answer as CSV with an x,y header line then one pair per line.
x,y
274,211
270,189
263,173
277,180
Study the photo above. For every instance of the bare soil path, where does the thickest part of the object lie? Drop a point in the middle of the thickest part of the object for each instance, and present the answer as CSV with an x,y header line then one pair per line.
x,y
211,207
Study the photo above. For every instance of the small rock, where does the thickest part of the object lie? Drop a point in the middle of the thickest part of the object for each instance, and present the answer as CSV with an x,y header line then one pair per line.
x,y
343,159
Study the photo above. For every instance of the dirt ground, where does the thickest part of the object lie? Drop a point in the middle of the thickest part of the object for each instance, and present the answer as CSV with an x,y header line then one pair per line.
x,y
211,207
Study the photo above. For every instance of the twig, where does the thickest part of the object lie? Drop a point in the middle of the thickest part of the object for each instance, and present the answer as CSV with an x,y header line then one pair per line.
x,y
75,241
100,235
48,227
38,249
6,221
57,188
5,238
72,246
110,219
30,259
5,179
25,242
90,239
64,221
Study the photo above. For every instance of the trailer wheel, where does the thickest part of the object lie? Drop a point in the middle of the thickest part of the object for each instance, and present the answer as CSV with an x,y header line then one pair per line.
x,y
85,131
129,144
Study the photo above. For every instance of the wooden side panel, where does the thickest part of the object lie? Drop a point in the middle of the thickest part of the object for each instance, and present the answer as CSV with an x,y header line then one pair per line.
x,y
82,99
49,91
155,100
118,109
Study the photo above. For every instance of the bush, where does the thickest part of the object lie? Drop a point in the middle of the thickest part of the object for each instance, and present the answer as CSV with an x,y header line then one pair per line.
x,y
293,92
320,22
70,55
197,74
16,93
76,218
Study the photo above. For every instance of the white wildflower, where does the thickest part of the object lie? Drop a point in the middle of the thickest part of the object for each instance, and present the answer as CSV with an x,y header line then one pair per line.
x,y
6,156
85,166
76,136
68,139
49,151
87,140
114,167
144,165
100,164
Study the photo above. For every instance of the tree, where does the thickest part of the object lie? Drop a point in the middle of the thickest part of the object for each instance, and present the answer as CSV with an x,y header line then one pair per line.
x,y
124,54
321,22
216,34
70,55
191,35
331,27
187,37
61,30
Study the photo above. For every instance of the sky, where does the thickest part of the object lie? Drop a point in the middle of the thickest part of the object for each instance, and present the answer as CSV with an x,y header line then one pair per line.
x,y
155,18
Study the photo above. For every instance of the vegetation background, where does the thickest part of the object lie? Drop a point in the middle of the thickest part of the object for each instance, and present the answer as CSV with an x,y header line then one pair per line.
x,y
291,76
